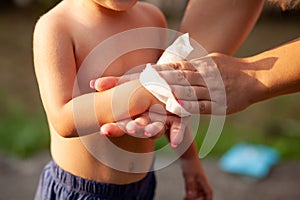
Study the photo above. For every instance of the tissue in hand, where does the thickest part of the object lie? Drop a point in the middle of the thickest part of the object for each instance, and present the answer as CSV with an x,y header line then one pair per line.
x,y
157,86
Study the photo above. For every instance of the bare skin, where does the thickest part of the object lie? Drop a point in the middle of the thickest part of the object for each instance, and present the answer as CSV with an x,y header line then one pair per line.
x,y
234,21
74,111
263,76
60,46
238,74
257,78
220,26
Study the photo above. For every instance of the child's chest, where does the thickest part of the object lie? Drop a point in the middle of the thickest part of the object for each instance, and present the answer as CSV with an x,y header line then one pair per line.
x,y
115,51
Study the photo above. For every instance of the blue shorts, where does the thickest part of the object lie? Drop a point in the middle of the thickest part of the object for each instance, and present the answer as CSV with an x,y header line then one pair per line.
x,y
57,184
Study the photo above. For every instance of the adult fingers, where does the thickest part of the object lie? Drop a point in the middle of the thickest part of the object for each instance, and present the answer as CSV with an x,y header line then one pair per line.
x,y
183,77
181,65
204,107
192,93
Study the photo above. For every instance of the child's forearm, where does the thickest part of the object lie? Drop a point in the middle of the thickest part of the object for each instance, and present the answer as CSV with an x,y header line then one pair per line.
x,y
123,101
83,114
196,184
190,153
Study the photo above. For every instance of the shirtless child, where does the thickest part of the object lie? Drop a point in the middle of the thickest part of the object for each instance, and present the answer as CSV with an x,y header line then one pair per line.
x,y
63,38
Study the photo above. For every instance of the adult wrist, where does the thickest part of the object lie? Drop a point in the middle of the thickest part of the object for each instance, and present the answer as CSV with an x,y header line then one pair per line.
x,y
261,90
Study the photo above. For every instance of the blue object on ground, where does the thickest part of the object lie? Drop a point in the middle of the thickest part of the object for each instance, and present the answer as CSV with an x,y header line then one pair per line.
x,y
249,159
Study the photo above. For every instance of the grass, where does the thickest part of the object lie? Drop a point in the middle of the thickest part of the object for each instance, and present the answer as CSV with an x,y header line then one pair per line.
x,y
22,132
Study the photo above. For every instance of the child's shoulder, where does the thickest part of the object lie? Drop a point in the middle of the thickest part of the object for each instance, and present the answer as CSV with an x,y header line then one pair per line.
x,y
53,20
152,12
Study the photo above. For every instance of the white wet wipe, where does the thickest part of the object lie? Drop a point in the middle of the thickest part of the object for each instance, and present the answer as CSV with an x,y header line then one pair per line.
x,y
157,86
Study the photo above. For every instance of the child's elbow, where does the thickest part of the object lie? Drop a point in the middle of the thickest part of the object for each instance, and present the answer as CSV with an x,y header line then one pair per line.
x,y
65,130
63,126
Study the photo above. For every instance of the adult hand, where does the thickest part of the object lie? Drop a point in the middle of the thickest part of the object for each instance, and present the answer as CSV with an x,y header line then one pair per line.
x,y
197,84
233,83
222,84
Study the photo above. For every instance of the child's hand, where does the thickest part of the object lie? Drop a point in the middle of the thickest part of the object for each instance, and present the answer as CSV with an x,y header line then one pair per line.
x,y
104,83
150,124
134,127
196,184
175,125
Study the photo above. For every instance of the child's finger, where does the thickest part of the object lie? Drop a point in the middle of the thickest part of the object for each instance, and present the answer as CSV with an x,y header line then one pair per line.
x,y
155,129
177,130
143,119
111,129
135,129
104,83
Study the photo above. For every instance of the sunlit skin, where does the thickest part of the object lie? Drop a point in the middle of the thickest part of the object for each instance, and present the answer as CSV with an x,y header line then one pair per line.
x,y
242,76
234,22
247,80
56,63
61,43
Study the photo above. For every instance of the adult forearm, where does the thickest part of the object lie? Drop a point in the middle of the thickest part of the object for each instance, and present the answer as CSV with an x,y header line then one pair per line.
x,y
250,80
220,26
281,74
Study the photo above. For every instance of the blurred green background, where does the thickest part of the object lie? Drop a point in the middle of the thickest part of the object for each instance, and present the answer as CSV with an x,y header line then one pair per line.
x,y
23,127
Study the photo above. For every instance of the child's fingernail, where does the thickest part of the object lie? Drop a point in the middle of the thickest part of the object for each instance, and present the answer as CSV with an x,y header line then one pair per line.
x,y
174,145
131,132
147,134
92,84
104,133
180,102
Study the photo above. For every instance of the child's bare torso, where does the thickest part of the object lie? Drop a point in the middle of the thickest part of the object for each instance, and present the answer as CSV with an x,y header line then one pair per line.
x,y
84,156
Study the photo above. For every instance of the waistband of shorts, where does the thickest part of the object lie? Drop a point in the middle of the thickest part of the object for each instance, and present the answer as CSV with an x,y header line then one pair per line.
x,y
79,184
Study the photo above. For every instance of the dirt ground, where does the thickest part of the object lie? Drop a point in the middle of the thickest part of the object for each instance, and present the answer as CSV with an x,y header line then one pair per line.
x,y
18,180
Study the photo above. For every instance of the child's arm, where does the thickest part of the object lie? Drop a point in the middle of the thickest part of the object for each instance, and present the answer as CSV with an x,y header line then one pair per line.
x,y
196,184
55,67
150,124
